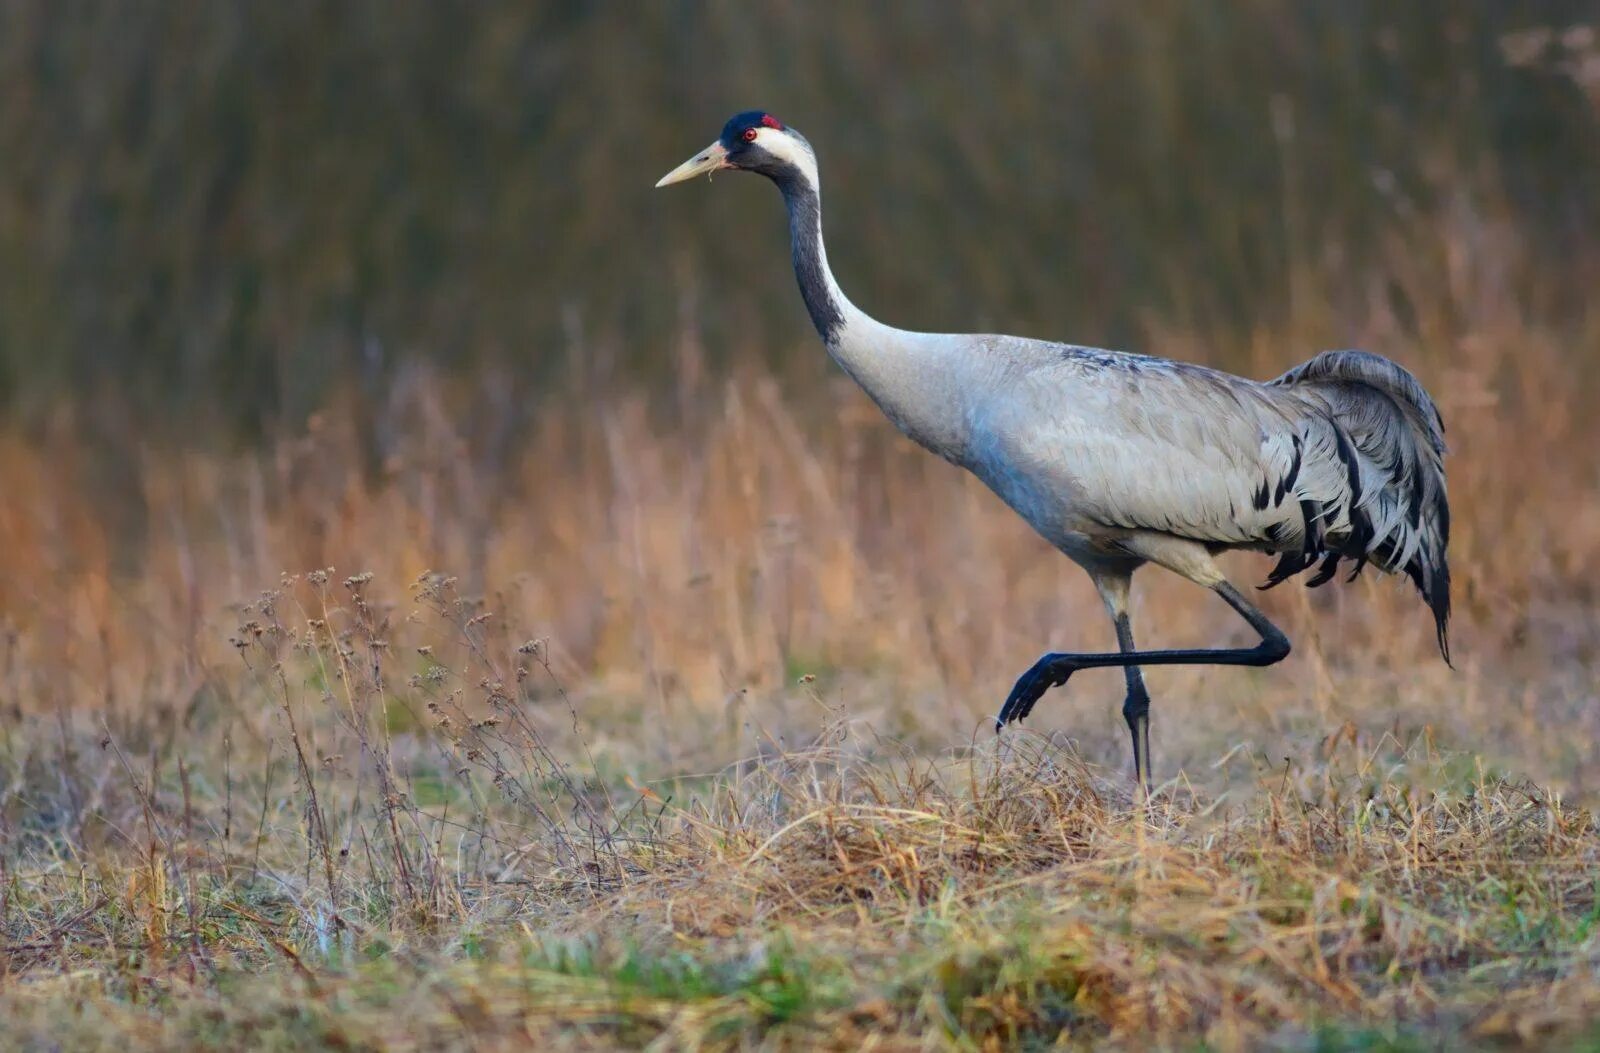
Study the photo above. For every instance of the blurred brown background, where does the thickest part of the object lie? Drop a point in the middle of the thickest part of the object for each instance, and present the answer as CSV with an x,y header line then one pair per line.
x,y
222,209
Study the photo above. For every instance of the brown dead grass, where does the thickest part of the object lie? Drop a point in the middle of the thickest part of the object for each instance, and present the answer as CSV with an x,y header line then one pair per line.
x,y
693,748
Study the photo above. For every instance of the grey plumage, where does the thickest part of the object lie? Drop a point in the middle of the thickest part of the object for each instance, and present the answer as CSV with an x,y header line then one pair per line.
x,y
1120,459
1338,459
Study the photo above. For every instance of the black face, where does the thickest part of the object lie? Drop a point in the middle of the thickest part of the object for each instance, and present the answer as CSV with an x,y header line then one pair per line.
x,y
738,138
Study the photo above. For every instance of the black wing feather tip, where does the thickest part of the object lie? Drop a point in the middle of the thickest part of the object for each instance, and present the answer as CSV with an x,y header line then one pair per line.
x,y
1433,582
1439,602
1325,573
1286,485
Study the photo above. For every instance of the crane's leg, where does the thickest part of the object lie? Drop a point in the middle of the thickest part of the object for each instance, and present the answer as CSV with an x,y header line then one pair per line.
x,y
1053,669
1135,707
1114,588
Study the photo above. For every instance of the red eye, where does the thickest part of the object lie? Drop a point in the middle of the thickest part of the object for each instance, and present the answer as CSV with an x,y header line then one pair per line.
x,y
749,135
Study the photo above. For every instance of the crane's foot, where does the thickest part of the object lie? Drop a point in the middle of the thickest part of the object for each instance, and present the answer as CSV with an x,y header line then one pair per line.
x,y
1050,671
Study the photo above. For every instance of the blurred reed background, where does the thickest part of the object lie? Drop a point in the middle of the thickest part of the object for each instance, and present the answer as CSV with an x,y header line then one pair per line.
x,y
384,287
288,285
211,213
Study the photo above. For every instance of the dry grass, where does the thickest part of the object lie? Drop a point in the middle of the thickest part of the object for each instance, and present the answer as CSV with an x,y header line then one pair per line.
x,y
694,749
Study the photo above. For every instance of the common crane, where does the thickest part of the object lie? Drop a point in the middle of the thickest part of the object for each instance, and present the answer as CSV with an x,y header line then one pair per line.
x,y
1120,459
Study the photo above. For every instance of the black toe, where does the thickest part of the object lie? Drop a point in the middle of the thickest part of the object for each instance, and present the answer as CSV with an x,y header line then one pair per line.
x,y
1044,674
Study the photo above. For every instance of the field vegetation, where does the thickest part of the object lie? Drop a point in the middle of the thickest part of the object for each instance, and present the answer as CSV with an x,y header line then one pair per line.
x,y
644,698
694,748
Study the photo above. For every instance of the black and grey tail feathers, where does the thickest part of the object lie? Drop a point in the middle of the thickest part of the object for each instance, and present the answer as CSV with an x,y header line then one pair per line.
x,y
1380,497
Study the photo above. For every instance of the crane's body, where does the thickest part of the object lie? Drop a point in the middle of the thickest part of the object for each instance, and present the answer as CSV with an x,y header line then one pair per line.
x,y
1120,459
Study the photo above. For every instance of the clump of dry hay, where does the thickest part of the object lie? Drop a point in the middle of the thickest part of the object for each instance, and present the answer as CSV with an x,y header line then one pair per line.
x,y
1056,907
583,799
392,825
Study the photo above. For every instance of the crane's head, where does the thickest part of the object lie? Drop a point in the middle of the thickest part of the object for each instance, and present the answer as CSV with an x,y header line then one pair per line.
x,y
753,141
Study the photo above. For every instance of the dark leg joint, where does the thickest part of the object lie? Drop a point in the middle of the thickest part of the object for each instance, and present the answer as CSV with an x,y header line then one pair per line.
x,y
1274,645
1273,648
1137,704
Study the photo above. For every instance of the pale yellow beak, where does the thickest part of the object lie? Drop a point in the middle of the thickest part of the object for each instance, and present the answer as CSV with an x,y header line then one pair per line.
x,y
709,160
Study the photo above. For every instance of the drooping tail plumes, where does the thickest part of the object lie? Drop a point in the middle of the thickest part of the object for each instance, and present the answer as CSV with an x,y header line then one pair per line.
x,y
1390,508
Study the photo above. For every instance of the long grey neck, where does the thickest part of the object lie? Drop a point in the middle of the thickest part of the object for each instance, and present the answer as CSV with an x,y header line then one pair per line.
x,y
826,304
915,378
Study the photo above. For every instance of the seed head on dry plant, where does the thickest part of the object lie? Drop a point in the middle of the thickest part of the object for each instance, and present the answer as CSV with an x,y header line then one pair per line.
x,y
368,691
692,751
390,787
